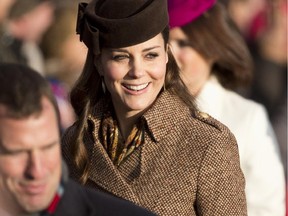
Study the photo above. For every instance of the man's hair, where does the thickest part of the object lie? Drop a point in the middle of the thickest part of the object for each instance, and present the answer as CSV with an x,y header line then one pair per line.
x,y
22,89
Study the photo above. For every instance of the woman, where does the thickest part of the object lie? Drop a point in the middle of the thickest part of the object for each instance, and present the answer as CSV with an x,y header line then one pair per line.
x,y
139,135
214,59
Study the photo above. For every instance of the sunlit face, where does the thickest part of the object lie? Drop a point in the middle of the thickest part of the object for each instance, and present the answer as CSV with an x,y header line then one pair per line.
x,y
135,75
195,69
30,160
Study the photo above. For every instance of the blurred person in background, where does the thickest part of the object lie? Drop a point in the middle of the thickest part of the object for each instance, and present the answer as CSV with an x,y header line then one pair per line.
x,y
33,178
263,23
24,27
5,6
215,60
27,23
64,55
61,93
6,52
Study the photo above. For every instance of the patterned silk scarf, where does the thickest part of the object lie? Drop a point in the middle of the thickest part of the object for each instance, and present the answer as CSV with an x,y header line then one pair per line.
x,y
116,147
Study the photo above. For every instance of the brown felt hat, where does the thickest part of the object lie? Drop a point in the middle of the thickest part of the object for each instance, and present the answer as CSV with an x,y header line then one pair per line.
x,y
120,23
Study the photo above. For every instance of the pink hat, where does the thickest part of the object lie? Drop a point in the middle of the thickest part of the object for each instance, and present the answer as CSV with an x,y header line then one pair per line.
x,y
181,12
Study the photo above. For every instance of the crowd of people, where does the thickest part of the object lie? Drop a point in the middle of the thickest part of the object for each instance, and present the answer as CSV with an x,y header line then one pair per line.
x,y
159,107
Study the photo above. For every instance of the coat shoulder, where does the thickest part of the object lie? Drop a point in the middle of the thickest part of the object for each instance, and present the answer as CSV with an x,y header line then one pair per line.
x,y
210,132
207,120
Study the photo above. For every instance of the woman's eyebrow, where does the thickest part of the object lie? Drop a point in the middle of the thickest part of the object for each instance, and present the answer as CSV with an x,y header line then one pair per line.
x,y
119,50
150,48
126,51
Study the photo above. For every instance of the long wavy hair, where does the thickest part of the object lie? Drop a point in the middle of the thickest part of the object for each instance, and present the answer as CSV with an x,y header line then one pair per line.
x,y
88,91
215,36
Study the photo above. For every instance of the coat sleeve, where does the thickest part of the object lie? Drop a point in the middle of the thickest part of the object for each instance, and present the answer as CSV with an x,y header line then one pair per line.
x,y
221,184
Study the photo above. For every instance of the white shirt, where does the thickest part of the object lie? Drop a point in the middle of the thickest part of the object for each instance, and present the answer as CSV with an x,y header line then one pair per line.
x,y
258,148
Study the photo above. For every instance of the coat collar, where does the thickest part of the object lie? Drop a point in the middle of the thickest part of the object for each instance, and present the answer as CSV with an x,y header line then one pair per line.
x,y
160,119
103,172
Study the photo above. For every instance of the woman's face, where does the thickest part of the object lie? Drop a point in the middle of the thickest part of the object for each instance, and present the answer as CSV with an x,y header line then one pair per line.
x,y
134,75
195,69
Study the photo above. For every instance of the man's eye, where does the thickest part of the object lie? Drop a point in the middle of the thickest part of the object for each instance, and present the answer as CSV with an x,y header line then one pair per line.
x,y
11,153
48,147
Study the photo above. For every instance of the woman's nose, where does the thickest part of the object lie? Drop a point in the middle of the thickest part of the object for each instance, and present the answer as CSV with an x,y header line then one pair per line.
x,y
137,68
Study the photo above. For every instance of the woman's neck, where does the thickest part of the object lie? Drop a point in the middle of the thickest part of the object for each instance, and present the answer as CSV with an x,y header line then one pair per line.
x,y
126,122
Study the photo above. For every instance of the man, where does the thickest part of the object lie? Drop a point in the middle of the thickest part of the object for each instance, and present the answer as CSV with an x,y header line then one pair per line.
x,y
32,178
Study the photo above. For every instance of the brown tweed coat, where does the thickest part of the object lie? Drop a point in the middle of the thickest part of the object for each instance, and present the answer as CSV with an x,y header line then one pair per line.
x,y
187,165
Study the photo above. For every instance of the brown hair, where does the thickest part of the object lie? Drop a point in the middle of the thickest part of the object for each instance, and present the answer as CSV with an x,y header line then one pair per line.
x,y
215,36
87,91
22,90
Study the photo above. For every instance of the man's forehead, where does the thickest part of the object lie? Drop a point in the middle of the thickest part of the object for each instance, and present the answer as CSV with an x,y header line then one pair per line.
x,y
25,133
45,105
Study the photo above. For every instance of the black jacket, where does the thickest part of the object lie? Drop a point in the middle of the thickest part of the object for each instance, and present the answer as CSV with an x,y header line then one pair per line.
x,y
80,201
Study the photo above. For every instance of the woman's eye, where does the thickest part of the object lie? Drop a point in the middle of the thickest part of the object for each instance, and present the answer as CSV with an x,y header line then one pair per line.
x,y
183,43
119,57
152,55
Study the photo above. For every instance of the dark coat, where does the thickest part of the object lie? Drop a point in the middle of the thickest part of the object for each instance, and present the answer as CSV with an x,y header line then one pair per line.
x,y
79,201
187,165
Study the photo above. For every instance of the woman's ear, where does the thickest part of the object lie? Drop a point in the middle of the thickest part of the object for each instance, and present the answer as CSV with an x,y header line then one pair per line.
x,y
167,50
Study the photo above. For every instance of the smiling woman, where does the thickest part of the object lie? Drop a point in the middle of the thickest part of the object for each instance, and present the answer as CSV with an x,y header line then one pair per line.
x,y
138,128
134,76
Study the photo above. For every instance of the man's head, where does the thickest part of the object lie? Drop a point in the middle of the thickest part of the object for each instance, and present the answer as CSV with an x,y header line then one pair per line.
x,y
30,157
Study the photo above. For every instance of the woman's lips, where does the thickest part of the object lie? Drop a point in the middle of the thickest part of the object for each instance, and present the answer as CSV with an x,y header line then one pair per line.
x,y
136,87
